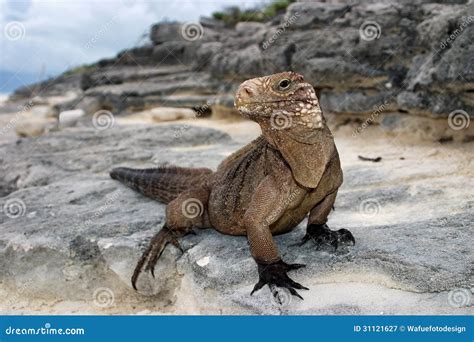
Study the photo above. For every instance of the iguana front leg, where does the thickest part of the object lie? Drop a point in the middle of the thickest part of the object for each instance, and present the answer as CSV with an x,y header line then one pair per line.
x,y
267,205
319,232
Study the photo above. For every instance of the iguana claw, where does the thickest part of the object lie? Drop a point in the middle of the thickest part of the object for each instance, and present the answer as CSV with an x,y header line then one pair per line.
x,y
153,252
275,274
322,235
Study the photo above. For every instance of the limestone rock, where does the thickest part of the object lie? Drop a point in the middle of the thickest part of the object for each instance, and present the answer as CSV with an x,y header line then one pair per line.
x,y
415,55
171,113
34,127
70,117
69,233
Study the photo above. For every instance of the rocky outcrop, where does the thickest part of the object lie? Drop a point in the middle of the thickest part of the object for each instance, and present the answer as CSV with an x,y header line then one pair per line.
x,y
70,236
409,59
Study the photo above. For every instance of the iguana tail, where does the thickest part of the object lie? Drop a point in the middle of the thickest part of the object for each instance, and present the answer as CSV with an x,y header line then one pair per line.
x,y
163,183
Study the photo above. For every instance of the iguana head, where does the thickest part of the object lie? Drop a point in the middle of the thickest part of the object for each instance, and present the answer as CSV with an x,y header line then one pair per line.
x,y
285,100
287,110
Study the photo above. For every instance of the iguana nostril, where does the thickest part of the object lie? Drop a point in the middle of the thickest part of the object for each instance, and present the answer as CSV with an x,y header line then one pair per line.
x,y
248,91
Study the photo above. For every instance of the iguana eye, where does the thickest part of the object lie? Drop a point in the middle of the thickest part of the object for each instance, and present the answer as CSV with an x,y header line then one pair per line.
x,y
284,84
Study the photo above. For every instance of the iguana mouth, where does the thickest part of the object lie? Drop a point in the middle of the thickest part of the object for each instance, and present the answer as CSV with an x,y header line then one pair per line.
x,y
275,101
250,107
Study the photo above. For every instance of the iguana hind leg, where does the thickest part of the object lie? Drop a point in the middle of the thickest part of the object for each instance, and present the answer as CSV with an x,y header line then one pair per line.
x,y
187,211
319,232
154,250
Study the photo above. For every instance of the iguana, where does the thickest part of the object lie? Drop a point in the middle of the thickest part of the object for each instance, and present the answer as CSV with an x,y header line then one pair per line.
x,y
266,188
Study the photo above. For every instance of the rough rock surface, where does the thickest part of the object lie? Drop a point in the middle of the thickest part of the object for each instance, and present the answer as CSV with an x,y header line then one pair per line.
x,y
78,233
405,58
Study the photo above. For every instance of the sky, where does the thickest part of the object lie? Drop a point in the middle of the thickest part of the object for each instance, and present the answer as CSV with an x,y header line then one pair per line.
x,y
42,38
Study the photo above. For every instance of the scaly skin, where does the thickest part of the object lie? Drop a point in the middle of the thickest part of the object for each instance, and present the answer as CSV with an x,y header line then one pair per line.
x,y
266,188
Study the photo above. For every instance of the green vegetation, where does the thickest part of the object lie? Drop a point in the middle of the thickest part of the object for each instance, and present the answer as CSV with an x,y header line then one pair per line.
x,y
232,15
80,69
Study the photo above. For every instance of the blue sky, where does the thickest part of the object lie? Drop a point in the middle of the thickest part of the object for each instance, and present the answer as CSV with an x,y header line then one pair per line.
x,y
42,38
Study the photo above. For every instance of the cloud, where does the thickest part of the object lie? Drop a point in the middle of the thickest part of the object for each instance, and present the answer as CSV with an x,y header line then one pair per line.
x,y
59,35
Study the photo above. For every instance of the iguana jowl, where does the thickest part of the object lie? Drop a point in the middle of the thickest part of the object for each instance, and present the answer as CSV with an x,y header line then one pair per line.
x,y
265,188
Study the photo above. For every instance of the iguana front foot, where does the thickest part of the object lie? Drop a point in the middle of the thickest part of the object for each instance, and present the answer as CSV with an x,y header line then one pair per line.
x,y
322,235
154,250
274,274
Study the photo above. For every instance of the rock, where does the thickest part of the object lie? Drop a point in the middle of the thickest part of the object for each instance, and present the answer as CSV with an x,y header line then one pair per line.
x,y
246,62
249,28
427,103
137,96
197,82
311,15
165,32
211,23
172,52
77,234
187,100
88,104
69,118
136,56
361,102
452,70
74,253
123,74
53,87
171,113
337,73
417,53
39,101
43,111
34,127
205,52
456,129
224,112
